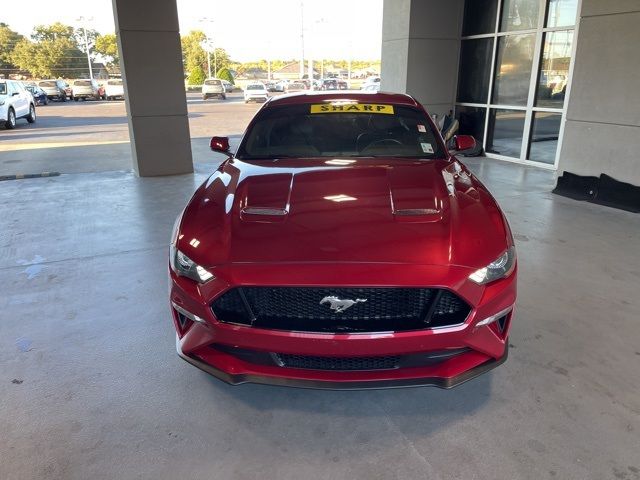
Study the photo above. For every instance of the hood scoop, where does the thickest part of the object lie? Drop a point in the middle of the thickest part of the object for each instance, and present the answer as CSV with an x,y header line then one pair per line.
x,y
418,215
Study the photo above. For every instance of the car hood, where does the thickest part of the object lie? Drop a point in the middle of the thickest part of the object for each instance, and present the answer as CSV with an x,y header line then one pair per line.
x,y
342,210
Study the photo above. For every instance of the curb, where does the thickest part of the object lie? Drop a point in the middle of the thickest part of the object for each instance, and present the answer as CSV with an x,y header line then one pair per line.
x,y
22,176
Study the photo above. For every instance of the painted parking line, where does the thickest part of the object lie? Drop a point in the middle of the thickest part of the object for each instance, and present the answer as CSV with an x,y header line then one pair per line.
x,y
12,147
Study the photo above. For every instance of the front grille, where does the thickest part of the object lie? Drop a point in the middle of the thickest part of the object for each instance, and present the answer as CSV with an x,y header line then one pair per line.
x,y
339,363
310,362
340,310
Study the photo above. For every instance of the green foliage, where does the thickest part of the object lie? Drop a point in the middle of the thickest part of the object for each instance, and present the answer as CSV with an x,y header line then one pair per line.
x,y
225,74
193,55
50,58
8,41
196,76
107,46
55,31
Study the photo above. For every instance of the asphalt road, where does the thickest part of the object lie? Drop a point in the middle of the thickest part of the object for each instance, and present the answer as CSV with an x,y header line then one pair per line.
x,y
93,136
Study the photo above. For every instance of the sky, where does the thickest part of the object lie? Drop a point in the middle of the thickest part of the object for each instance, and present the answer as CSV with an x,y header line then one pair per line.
x,y
245,28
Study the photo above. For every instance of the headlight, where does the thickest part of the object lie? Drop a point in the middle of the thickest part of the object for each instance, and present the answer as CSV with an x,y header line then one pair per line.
x,y
183,265
501,267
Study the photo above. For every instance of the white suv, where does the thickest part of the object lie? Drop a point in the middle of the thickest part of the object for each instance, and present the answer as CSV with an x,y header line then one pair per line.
x,y
213,87
15,102
255,91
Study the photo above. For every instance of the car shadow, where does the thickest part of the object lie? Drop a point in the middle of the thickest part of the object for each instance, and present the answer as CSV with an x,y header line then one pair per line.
x,y
416,410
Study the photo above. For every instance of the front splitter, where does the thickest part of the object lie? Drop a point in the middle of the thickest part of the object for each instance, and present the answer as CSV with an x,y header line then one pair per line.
x,y
439,382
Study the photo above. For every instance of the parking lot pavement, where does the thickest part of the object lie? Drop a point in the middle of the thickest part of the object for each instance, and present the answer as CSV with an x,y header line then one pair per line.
x,y
93,136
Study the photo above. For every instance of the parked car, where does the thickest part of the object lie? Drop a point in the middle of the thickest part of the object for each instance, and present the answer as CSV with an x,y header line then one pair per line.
x,y
213,87
297,87
270,86
38,94
56,89
85,89
114,89
343,246
374,80
228,86
15,102
333,84
281,86
372,87
255,92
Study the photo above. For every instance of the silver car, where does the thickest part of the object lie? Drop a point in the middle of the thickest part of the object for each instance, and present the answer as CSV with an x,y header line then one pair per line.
x,y
56,89
86,88
213,87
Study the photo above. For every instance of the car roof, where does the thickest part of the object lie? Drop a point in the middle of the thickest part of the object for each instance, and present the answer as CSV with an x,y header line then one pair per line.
x,y
358,96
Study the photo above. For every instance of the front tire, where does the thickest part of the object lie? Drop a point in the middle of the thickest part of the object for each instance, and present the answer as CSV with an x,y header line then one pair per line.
x,y
10,124
31,118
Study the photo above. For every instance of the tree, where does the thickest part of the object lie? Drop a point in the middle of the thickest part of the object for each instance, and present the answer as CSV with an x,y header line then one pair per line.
x,y
193,55
55,31
8,41
92,36
52,53
107,46
196,76
225,74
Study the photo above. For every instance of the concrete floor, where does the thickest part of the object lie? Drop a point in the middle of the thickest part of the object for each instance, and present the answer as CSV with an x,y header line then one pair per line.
x,y
92,388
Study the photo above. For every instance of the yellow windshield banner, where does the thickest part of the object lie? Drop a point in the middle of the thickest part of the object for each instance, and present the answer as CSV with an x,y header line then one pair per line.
x,y
351,108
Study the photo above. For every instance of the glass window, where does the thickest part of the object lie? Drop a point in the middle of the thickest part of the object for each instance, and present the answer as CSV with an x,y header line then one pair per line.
x,y
505,132
471,121
519,15
561,13
544,137
352,130
554,69
475,67
479,17
513,69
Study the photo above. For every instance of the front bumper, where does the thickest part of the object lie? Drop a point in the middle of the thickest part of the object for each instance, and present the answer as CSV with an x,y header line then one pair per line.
x,y
482,348
345,384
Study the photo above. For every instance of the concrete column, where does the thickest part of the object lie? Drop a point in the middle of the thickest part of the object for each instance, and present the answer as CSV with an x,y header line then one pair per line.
x,y
420,50
602,130
151,64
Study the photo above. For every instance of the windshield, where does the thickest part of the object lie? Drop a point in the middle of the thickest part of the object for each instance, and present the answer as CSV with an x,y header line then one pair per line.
x,y
114,82
212,82
82,83
47,84
3,88
340,130
255,87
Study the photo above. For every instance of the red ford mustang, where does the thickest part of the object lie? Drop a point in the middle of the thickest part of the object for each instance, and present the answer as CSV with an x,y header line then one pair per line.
x,y
343,246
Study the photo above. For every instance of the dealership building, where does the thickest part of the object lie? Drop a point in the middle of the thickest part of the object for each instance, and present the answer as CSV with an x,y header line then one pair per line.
x,y
551,83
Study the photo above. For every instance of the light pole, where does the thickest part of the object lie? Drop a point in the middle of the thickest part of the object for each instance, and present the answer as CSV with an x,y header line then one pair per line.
x,y
86,42
210,44
301,39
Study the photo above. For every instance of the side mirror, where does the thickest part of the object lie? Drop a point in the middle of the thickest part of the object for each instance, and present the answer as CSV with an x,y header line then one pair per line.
x,y
463,142
220,144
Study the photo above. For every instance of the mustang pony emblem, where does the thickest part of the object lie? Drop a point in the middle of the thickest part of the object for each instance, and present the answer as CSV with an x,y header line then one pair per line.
x,y
338,305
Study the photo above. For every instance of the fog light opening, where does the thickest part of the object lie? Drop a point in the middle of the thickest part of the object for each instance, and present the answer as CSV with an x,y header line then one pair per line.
x,y
502,323
498,317
184,316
